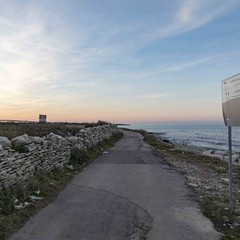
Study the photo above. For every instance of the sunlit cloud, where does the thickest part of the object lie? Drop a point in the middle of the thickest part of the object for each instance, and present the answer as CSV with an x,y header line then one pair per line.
x,y
155,95
75,55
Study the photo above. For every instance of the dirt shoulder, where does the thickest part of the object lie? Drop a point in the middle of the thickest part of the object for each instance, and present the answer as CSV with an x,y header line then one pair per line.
x,y
208,177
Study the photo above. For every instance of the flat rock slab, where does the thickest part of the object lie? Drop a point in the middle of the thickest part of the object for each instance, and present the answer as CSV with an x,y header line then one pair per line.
x,y
127,193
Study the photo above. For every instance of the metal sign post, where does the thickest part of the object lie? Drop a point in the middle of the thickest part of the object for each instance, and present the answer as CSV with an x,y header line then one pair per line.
x,y
230,167
231,116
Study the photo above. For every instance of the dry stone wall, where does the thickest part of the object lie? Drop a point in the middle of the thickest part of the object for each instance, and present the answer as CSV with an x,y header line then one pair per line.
x,y
43,154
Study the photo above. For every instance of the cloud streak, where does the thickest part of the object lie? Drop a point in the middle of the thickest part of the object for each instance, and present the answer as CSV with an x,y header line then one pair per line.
x,y
82,53
193,14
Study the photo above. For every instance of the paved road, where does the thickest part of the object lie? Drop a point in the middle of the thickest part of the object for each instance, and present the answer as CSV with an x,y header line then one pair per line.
x,y
125,194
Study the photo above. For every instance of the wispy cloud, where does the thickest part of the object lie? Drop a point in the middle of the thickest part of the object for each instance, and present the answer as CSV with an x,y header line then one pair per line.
x,y
193,14
36,58
185,65
86,53
155,95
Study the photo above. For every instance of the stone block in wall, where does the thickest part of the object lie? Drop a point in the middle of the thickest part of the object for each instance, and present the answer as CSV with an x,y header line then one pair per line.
x,y
12,176
26,176
3,153
3,164
56,139
31,147
4,142
21,140
37,140
3,174
46,154
16,154
30,168
21,170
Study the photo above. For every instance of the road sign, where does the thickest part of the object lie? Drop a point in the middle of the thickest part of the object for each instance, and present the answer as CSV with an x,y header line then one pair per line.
x,y
231,100
231,115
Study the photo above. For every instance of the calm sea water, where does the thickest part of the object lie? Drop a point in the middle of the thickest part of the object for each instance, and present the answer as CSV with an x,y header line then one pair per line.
x,y
203,136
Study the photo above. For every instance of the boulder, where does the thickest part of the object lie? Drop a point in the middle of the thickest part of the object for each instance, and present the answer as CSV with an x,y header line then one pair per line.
x,y
4,142
73,139
36,140
54,138
21,140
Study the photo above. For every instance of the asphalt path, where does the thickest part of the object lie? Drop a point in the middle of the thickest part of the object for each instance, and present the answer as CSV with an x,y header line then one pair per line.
x,y
125,194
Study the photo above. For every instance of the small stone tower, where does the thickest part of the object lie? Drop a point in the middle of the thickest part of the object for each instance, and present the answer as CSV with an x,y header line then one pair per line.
x,y
42,118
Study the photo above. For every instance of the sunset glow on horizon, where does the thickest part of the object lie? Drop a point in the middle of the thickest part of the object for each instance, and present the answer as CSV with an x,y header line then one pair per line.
x,y
117,61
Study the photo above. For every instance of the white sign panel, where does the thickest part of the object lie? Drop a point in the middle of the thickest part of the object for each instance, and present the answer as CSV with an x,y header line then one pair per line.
x,y
231,100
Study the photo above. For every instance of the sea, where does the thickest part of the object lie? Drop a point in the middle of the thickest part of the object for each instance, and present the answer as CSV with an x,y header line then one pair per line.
x,y
207,136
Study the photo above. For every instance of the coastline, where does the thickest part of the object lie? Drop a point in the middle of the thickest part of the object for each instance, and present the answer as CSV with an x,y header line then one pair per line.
x,y
214,153
203,137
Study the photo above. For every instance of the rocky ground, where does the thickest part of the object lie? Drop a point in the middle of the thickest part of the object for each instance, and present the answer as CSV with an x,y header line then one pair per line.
x,y
208,177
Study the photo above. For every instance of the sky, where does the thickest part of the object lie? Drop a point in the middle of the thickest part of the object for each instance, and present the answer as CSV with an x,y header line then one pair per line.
x,y
127,61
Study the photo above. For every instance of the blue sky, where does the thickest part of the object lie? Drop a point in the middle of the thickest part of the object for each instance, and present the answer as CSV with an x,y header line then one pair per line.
x,y
119,61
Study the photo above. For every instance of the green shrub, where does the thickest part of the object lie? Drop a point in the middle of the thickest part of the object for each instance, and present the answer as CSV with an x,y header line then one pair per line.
x,y
78,157
6,202
21,149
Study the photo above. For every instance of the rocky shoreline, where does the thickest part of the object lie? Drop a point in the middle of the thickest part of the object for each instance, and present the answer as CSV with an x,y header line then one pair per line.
x,y
214,153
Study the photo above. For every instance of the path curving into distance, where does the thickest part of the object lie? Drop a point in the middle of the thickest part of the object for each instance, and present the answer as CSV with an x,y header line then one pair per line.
x,y
125,194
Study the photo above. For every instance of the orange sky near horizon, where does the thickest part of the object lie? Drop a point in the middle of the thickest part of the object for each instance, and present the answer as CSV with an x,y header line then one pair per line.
x,y
84,61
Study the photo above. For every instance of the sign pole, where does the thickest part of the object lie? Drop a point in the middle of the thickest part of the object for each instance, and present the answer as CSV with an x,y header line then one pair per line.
x,y
231,116
230,167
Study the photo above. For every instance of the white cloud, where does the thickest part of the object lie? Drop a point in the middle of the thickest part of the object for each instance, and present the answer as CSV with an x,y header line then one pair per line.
x,y
186,12
192,14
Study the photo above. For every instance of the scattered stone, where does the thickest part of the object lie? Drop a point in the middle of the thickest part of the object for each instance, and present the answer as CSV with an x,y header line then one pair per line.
x,y
235,224
70,167
21,205
37,192
192,185
225,180
35,198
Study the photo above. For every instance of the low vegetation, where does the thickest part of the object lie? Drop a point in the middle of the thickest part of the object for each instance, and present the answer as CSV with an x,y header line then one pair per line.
x,y
20,203
12,130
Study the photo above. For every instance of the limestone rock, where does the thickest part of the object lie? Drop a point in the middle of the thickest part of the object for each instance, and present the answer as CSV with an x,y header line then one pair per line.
x,y
4,142
21,140
54,138
73,139
36,139
43,154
